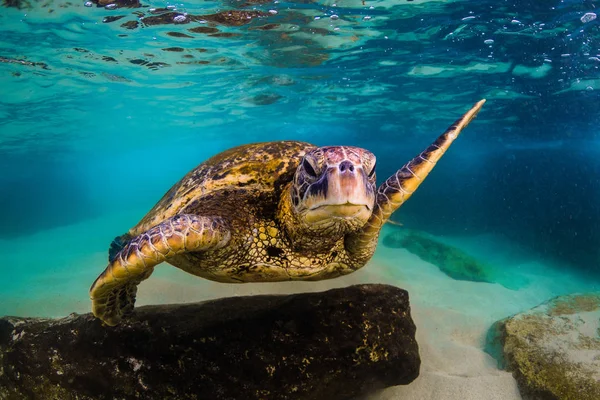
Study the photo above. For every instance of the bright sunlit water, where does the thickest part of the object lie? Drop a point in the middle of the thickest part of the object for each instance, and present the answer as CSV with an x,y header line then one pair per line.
x,y
102,110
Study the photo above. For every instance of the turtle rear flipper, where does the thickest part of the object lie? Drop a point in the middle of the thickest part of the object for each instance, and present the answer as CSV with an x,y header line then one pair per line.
x,y
117,245
113,293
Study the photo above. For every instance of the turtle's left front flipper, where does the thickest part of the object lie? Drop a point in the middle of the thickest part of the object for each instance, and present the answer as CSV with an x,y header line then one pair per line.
x,y
113,292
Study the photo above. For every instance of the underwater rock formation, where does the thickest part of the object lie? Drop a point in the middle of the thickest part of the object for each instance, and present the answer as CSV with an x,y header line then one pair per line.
x,y
331,345
451,261
553,349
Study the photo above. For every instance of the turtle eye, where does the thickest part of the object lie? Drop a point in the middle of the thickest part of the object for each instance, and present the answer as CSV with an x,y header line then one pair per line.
x,y
372,173
308,168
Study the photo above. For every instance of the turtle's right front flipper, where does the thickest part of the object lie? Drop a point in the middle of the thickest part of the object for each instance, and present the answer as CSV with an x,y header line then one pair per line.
x,y
400,186
113,292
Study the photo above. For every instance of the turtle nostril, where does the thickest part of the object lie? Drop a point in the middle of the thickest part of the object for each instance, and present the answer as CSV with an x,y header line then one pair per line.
x,y
346,165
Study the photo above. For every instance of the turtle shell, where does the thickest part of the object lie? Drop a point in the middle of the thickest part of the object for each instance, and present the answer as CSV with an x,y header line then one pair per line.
x,y
258,168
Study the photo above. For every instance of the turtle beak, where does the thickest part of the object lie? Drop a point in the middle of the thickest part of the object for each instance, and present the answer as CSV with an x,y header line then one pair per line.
x,y
339,211
342,192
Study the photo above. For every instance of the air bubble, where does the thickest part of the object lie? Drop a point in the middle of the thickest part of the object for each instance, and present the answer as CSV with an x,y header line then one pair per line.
x,y
111,6
171,7
587,17
272,12
179,19
334,17
366,18
489,41
88,4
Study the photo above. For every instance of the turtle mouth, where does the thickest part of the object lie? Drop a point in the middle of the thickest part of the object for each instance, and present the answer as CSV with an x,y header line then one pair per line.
x,y
346,211
348,206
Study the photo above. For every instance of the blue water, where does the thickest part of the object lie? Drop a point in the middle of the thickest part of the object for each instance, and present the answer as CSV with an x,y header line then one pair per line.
x,y
98,120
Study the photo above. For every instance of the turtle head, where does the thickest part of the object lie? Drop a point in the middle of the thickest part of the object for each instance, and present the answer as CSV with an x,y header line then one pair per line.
x,y
334,189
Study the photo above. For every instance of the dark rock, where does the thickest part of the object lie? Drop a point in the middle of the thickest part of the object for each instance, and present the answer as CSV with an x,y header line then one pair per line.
x,y
331,345
553,349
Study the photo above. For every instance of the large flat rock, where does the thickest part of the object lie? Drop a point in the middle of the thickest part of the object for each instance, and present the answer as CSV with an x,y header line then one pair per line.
x,y
331,345
554,349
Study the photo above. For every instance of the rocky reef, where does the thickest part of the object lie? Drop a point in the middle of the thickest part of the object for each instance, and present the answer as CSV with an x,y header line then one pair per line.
x,y
453,262
553,349
331,345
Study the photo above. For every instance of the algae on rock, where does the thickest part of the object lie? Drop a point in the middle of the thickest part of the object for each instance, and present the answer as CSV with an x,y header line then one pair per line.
x,y
554,349
453,262
340,344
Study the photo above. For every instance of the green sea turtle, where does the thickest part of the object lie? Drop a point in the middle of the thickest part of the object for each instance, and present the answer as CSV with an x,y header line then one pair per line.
x,y
265,212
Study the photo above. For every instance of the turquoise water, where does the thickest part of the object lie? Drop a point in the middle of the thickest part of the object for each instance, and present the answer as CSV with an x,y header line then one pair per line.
x,y
102,110
98,120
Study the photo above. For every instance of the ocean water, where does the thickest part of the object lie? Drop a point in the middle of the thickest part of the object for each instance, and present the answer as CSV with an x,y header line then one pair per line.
x,y
103,108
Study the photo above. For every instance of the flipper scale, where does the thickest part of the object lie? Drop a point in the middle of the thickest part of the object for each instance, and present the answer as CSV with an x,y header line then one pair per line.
x,y
399,187
113,293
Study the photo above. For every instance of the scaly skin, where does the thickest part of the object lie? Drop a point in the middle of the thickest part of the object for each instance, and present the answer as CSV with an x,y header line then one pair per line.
x,y
400,186
113,292
265,212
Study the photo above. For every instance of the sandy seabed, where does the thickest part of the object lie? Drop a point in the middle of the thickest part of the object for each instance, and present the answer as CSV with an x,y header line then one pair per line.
x,y
41,277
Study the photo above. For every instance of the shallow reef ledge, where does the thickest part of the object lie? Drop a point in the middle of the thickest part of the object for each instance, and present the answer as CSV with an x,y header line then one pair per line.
x,y
336,344
553,349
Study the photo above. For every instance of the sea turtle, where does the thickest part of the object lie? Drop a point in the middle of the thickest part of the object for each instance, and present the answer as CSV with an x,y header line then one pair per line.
x,y
265,212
